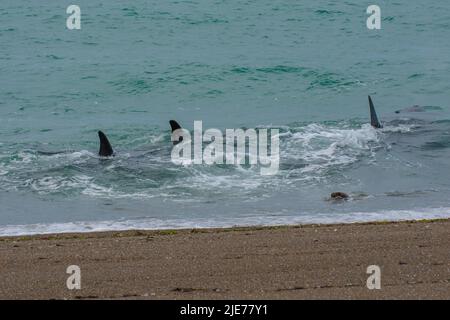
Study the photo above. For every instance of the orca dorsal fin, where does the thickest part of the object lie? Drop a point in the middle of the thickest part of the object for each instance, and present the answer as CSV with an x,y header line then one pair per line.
x,y
175,126
373,116
105,147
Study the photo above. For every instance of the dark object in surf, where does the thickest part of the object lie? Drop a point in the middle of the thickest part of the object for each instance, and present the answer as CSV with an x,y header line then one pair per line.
x,y
339,196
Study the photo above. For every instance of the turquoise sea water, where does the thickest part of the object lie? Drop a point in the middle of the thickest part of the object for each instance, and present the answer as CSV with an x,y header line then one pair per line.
x,y
305,67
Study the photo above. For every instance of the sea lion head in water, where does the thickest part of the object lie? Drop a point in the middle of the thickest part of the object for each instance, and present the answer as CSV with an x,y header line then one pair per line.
x,y
339,196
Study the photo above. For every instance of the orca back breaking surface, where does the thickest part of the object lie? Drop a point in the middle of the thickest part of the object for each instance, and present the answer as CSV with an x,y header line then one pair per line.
x,y
373,115
105,147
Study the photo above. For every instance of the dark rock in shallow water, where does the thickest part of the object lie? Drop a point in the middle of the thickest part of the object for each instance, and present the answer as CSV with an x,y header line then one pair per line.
x,y
339,196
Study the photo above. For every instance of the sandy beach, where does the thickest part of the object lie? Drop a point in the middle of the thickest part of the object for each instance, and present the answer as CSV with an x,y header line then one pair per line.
x,y
289,262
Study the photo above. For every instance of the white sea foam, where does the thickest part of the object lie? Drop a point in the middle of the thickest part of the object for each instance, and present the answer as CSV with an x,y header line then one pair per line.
x,y
263,220
57,183
401,128
314,135
320,147
3,170
316,146
98,191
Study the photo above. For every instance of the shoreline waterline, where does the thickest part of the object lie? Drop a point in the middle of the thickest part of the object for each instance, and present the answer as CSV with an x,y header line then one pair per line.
x,y
173,231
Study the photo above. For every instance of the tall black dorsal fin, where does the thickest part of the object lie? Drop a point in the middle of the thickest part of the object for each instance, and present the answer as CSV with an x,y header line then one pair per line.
x,y
373,116
175,126
105,147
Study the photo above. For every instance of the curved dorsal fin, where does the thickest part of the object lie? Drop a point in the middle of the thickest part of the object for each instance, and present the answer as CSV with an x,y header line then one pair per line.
x,y
105,147
373,115
175,126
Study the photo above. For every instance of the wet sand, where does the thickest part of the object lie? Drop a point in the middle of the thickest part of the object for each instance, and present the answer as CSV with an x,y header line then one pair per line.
x,y
290,262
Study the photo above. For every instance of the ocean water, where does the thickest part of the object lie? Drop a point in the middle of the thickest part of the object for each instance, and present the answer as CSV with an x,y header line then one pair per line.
x,y
304,67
